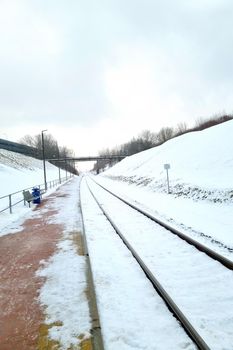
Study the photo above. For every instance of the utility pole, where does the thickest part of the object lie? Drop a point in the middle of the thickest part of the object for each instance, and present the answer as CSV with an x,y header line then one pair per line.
x,y
59,170
43,152
66,167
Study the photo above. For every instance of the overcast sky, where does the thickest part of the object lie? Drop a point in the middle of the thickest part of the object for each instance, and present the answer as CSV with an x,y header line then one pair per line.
x,y
96,73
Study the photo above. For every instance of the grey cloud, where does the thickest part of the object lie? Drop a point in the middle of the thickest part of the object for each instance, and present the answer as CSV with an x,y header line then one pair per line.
x,y
68,86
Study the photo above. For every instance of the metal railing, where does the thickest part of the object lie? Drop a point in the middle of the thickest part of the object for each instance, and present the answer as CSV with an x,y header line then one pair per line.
x,y
12,199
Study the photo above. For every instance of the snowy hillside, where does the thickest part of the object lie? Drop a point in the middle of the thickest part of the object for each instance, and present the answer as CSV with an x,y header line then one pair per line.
x,y
18,172
201,165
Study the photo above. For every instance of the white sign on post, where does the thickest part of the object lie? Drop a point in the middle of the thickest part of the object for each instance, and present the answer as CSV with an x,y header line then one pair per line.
x,y
166,167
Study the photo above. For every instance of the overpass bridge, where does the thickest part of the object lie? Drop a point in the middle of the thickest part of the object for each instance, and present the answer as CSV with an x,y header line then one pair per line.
x,y
87,159
70,160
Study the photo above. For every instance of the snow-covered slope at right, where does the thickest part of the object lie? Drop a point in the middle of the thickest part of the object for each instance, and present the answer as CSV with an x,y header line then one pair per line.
x,y
201,165
200,202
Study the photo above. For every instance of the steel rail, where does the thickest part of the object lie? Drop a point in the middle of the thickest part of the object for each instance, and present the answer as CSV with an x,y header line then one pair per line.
x,y
189,329
97,339
211,253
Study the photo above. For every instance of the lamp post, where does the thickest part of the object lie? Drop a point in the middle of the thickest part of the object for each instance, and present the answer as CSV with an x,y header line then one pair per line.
x,y
66,168
59,170
58,164
42,139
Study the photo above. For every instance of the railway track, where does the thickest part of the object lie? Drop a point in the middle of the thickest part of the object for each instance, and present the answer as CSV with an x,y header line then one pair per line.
x,y
201,247
101,198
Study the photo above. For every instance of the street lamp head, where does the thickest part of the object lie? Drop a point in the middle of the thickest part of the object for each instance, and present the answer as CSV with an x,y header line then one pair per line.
x,y
44,130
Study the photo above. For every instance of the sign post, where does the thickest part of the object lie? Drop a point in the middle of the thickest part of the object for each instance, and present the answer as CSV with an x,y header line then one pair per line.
x,y
166,167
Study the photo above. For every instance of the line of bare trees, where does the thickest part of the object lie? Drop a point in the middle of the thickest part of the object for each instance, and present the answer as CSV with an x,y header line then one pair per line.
x,y
51,149
148,139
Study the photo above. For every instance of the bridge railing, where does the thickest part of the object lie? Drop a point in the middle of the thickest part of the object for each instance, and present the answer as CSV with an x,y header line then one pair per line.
x,y
88,159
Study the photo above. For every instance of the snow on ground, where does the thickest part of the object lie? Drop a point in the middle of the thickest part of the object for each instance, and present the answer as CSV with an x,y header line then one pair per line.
x,y
209,223
201,165
132,315
18,172
201,179
201,204
64,292
203,290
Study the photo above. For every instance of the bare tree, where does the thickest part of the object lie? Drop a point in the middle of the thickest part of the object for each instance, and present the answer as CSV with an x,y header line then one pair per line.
x,y
52,151
181,128
149,138
165,134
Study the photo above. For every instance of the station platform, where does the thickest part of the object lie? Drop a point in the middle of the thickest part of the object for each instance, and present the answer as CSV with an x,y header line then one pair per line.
x,y
22,254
